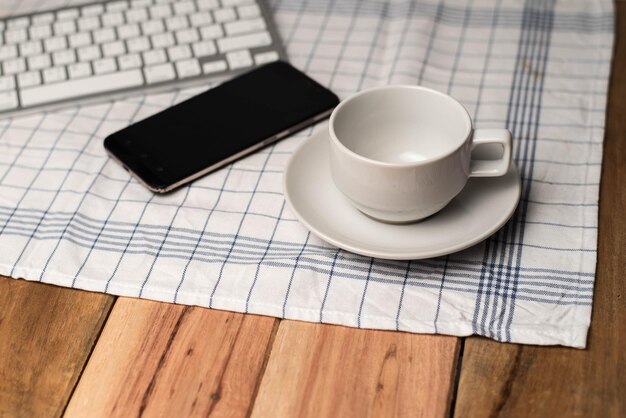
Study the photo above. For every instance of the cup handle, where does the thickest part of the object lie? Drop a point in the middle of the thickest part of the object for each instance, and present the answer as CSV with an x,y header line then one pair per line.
x,y
491,168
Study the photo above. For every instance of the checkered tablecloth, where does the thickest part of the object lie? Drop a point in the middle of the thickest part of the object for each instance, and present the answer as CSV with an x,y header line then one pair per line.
x,y
72,217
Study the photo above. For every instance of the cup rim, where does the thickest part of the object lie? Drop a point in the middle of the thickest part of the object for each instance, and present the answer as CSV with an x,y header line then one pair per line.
x,y
344,148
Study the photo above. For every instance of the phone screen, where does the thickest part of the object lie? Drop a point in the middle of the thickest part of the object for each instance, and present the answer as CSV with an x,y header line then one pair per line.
x,y
212,129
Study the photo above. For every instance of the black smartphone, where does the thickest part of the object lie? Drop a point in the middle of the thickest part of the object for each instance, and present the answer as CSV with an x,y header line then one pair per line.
x,y
219,126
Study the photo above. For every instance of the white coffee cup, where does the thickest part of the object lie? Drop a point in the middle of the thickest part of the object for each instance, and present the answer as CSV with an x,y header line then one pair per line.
x,y
402,153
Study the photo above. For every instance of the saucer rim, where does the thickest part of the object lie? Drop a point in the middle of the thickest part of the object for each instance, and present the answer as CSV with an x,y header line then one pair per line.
x,y
406,255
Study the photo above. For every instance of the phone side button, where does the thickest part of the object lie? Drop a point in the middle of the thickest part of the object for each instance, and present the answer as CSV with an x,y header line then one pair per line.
x,y
321,116
282,134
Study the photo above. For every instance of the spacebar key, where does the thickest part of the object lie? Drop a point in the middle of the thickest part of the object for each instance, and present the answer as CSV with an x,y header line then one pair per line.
x,y
80,87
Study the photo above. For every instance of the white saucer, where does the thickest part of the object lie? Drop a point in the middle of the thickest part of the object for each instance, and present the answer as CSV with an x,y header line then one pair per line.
x,y
483,206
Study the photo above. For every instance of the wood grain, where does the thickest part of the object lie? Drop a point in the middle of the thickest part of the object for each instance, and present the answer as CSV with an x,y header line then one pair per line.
x,y
526,381
331,371
157,359
46,336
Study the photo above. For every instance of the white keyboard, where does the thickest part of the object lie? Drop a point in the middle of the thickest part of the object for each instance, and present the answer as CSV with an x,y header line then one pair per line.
x,y
103,50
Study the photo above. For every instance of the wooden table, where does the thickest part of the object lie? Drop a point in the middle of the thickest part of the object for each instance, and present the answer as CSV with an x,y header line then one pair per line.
x,y
80,354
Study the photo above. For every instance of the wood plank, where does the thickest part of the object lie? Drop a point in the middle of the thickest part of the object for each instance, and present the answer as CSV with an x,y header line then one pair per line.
x,y
157,359
525,381
332,371
46,336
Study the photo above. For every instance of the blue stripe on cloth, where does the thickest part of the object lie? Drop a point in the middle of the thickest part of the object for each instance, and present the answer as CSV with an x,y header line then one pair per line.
x,y
217,242
527,87
162,243
534,124
201,235
404,282
243,218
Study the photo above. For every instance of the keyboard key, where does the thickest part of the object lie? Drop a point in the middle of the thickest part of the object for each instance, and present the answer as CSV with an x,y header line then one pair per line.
x,y
88,53
112,19
28,79
113,49
244,42
176,22
211,32
239,59
55,44
116,6
13,36
64,57
162,40
246,12
80,87
79,39
152,27
40,31
30,48
128,31
200,19
224,15
184,7
92,10
179,52
207,4
160,11
136,15
126,62
88,23
203,49
39,62
79,70
214,67
265,57
18,22
64,27
187,68
42,18
156,56
16,65
187,36
7,83
67,14
244,26
8,51
159,73
54,74
104,66
229,3
104,35
8,100
138,44
140,3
